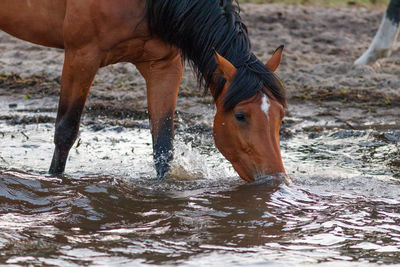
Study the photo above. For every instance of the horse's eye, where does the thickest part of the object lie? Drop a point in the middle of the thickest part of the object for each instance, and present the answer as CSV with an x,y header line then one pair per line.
x,y
240,116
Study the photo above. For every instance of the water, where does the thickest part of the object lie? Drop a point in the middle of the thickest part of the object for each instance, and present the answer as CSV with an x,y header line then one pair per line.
x,y
105,221
341,208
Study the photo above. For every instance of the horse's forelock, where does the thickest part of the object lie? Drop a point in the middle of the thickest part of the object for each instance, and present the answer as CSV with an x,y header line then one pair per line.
x,y
252,79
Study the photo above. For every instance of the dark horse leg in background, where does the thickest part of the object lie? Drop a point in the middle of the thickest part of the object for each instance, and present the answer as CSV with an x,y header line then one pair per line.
x,y
386,36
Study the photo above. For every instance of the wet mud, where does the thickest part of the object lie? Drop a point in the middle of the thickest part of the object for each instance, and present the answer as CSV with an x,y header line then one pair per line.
x,y
340,146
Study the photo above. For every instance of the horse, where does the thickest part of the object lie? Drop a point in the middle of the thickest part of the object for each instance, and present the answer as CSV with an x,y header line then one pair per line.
x,y
385,38
157,36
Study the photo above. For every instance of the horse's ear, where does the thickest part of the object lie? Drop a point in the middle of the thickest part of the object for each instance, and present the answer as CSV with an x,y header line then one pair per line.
x,y
274,62
224,67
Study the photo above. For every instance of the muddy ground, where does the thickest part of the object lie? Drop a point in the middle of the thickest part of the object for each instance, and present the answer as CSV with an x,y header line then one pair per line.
x,y
325,90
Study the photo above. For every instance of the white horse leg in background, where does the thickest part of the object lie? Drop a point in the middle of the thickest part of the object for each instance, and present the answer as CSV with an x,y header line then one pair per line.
x,y
386,36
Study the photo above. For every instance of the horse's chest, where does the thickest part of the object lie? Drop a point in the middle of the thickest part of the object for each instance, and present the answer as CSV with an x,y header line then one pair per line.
x,y
127,51
138,50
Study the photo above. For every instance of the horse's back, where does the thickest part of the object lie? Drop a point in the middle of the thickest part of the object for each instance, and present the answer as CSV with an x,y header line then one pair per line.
x,y
36,21
57,23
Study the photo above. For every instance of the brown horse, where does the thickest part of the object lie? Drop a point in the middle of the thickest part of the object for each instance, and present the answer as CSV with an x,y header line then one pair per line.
x,y
155,35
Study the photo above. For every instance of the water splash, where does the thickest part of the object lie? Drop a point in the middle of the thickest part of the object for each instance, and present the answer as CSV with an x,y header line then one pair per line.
x,y
191,164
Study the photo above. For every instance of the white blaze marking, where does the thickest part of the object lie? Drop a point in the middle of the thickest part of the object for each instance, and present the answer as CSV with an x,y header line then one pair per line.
x,y
382,44
265,105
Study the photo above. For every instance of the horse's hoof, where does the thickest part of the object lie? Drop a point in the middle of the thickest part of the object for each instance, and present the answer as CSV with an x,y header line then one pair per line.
x,y
56,172
161,175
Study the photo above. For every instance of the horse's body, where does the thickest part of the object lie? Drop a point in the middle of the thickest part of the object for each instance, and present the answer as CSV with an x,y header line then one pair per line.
x,y
71,24
97,33
385,38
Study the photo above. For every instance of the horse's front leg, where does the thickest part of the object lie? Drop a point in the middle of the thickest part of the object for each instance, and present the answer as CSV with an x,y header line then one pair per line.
x,y
80,67
162,79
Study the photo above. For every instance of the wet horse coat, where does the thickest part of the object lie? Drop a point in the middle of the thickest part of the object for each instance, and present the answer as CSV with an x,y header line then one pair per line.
x,y
384,40
154,35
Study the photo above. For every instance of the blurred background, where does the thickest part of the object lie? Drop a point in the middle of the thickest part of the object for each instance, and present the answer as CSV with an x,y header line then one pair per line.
x,y
372,3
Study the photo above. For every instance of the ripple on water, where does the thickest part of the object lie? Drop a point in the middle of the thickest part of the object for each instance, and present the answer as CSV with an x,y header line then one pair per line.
x,y
89,219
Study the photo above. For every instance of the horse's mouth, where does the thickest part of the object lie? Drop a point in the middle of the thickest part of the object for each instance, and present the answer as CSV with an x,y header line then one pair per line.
x,y
273,180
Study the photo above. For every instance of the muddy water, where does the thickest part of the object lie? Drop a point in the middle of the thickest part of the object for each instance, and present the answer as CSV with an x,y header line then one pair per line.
x,y
342,207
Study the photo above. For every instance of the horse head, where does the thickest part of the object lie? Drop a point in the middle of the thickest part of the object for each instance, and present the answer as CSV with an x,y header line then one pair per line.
x,y
248,134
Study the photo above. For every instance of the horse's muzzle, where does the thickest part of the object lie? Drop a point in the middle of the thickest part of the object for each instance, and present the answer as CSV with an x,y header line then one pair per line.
x,y
273,180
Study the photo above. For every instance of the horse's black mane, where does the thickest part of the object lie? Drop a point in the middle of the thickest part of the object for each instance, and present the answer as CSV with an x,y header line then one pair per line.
x,y
197,27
